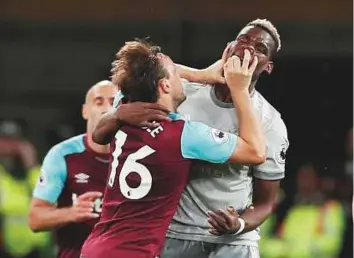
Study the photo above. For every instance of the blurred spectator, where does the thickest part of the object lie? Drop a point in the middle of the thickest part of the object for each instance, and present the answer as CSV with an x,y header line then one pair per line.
x,y
349,154
313,226
18,172
345,190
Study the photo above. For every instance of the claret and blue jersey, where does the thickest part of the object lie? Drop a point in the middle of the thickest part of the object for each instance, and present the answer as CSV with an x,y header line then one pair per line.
x,y
149,171
70,169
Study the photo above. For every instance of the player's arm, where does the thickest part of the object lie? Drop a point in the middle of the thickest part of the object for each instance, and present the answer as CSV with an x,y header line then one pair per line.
x,y
210,75
267,176
136,114
202,142
44,214
215,146
266,186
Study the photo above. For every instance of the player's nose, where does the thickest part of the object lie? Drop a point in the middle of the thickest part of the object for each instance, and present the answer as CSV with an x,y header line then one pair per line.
x,y
105,108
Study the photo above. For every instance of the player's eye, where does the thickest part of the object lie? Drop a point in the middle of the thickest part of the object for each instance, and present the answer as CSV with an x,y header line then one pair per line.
x,y
99,102
262,49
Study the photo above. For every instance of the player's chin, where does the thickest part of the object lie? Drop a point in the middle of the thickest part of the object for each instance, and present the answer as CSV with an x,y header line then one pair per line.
x,y
181,99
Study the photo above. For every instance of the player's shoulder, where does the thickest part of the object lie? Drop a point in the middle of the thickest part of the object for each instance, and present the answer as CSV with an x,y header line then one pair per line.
x,y
167,133
191,88
270,116
70,146
171,130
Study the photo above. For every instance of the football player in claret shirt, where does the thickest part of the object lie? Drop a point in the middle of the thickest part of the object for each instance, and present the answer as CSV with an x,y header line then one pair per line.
x,y
150,167
67,197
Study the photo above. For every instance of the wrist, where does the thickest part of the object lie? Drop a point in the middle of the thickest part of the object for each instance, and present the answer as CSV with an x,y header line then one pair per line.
x,y
117,115
67,214
242,224
239,92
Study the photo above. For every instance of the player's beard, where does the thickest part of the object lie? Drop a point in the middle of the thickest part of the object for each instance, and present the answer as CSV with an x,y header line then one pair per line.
x,y
179,100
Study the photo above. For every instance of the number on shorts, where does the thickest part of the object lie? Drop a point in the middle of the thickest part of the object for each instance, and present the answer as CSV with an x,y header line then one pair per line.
x,y
129,166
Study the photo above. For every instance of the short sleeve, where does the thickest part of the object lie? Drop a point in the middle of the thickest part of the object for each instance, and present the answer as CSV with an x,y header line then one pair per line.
x,y
52,176
202,142
117,98
277,144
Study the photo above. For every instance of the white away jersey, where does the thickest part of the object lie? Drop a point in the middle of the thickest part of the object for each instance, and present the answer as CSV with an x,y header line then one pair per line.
x,y
215,186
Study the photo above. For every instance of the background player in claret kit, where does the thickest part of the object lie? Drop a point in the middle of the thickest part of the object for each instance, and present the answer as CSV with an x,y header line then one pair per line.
x,y
204,214
150,167
67,197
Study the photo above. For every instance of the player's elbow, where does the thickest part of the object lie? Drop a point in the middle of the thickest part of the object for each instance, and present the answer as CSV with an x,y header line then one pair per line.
x,y
258,157
246,153
34,221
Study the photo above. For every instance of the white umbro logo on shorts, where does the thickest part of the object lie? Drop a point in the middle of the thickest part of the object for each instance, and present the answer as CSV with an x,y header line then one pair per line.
x,y
82,178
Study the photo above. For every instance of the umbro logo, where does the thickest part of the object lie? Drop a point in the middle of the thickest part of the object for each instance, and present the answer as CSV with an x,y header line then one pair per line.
x,y
82,178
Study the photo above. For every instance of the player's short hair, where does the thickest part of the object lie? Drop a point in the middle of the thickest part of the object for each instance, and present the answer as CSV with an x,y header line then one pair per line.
x,y
270,28
137,71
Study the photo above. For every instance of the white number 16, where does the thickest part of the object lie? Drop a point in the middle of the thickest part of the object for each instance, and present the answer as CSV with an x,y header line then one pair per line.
x,y
129,166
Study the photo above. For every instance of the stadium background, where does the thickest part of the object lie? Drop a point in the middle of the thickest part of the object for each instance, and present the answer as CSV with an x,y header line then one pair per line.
x,y
52,51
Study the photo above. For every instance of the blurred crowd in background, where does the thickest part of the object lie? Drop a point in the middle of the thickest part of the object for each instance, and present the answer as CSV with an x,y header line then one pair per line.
x,y
51,54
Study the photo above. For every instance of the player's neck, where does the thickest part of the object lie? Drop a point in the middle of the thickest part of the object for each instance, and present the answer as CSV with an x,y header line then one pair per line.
x,y
168,103
100,149
223,93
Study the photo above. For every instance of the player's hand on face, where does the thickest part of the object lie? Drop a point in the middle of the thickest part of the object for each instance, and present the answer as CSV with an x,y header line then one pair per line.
x,y
223,222
238,74
142,114
83,207
214,73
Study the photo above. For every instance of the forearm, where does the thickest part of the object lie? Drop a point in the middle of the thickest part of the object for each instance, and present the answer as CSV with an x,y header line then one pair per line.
x,y
264,196
106,128
250,129
192,74
45,219
255,216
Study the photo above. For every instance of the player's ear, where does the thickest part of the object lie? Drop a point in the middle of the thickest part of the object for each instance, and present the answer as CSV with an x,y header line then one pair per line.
x,y
84,112
164,86
269,67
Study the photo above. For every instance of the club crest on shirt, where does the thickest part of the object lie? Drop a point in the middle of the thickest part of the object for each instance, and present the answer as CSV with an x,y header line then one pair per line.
x,y
281,155
219,136
82,178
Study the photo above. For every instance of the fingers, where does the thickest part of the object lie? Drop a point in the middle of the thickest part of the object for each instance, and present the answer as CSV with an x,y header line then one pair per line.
x,y
225,53
85,205
214,232
225,216
228,65
246,60
231,210
88,215
89,196
157,107
214,224
253,65
150,124
236,63
151,118
221,80
153,113
217,221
